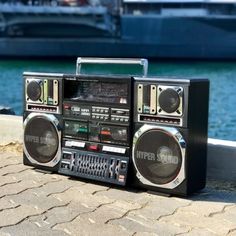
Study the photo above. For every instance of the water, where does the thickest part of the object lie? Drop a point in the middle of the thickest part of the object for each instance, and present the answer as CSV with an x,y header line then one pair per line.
x,y
222,75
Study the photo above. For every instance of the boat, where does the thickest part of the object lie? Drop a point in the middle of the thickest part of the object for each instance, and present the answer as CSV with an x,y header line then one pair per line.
x,y
195,29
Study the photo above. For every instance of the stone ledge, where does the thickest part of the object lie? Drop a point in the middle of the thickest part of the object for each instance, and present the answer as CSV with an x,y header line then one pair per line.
x,y
222,159
11,129
221,153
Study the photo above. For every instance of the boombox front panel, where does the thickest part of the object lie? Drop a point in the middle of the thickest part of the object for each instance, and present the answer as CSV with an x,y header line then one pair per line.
x,y
97,117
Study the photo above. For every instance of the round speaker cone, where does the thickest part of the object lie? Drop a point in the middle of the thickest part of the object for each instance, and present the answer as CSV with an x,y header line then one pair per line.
x,y
157,156
169,100
34,90
41,139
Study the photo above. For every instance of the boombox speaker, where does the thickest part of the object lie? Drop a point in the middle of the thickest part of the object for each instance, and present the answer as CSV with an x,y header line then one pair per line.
x,y
170,135
42,120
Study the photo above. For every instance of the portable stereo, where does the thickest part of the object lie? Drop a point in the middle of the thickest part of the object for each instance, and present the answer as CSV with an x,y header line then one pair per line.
x,y
149,133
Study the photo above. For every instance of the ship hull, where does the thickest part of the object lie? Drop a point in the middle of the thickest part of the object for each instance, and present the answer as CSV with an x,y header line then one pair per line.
x,y
140,36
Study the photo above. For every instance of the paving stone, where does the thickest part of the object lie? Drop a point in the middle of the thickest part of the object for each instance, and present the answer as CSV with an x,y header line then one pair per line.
x,y
160,206
126,195
27,228
59,215
34,175
7,155
7,203
145,234
203,208
4,180
8,161
33,200
84,225
4,234
92,188
228,214
199,232
103,214
22,186
55,187
232,233
193,219
74,194
138,224
15,215
13,169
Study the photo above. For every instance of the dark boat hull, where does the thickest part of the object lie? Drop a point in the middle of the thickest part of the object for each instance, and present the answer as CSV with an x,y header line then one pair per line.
x,y
140,36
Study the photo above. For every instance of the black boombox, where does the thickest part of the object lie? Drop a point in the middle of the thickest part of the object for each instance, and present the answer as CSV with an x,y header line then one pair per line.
x,y
137,131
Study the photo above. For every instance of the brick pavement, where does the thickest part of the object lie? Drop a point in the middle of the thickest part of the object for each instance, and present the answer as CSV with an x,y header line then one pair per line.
x,y
38,203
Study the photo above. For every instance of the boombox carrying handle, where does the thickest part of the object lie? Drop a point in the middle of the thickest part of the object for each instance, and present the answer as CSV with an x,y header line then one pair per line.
x,y
126,61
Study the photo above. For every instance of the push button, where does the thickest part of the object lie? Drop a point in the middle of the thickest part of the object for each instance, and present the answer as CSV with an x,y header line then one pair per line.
x,y
123,165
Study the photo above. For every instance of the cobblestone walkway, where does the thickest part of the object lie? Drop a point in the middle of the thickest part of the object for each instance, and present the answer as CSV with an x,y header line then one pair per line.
x,y
37,203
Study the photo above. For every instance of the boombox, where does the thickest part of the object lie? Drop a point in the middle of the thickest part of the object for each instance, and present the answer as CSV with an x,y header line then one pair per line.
x,y
149,133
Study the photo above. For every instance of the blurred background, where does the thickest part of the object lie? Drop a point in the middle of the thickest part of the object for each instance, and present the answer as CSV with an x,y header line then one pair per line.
x,y
188,38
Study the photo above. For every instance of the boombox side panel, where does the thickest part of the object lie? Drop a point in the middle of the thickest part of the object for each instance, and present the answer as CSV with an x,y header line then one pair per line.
x,y
198,129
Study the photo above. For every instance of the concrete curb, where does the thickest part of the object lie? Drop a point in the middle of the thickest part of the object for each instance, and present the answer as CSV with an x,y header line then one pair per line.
x,y
11,130
221,159
221,153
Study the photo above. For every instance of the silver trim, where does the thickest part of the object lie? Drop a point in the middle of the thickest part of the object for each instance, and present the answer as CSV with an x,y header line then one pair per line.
x,y
55,122
140,98
27,73
153,99
55,92
182,144
180,108
122,61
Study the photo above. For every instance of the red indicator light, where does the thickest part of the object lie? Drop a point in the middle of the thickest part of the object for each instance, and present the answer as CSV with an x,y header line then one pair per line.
x,y
67,107
105,132
93,147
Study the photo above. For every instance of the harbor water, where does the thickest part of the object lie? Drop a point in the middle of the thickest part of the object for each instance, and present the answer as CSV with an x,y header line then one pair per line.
x,y
222,76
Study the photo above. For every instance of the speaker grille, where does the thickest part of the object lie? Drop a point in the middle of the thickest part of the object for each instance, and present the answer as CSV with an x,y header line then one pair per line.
x,y
34,90
41,139
169,100
157,156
